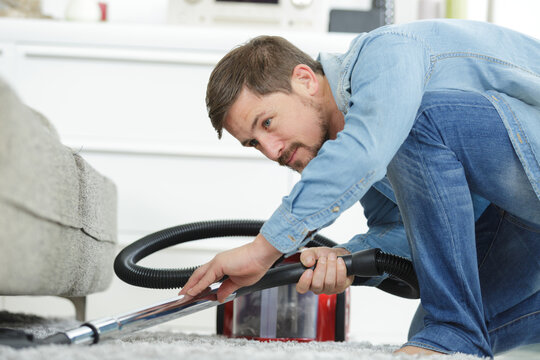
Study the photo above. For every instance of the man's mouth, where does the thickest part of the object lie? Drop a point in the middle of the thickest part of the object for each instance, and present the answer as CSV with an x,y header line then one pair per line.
x,y
288,156
291,157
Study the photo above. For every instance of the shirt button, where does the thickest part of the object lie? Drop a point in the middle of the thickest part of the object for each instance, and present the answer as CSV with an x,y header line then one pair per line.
x,y
335,209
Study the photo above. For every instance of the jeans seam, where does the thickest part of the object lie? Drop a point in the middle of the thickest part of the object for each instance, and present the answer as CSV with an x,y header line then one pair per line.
x,y
425,109
454,255
361,239
514,321
454,104
512,219
388,229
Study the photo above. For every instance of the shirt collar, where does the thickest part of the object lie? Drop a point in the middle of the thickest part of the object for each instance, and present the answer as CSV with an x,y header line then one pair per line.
x,y
332,65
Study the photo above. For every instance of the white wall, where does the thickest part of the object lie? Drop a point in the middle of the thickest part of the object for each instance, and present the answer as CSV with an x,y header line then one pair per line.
x,y
520,15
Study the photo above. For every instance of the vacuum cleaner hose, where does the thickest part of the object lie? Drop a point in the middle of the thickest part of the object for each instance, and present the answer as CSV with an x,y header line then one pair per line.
x,y
402,280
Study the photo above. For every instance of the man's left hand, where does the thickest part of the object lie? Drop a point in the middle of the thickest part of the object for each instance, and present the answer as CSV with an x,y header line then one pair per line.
x,y
330,274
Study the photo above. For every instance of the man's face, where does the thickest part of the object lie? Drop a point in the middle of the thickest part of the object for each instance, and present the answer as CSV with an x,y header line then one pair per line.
x,y
286,128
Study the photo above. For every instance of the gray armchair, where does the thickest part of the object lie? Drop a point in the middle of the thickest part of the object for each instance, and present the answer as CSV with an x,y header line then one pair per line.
x,y
57,214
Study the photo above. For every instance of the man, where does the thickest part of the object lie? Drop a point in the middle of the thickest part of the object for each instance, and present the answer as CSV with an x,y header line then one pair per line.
x,y
450,112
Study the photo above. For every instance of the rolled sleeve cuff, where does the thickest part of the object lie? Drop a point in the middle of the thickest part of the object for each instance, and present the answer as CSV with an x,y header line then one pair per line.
x,y
284,232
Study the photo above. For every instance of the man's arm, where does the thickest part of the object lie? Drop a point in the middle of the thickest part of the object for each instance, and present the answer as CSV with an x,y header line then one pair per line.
x,y
387,84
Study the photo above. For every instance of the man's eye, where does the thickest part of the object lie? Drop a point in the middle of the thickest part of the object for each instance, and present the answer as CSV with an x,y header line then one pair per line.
x,y
253,142
266,123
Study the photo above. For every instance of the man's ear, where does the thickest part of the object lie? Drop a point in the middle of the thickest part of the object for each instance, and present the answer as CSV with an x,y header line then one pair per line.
x,y
304,80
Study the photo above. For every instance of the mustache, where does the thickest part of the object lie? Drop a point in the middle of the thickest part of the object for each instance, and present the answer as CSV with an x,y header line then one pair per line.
x,y
282,160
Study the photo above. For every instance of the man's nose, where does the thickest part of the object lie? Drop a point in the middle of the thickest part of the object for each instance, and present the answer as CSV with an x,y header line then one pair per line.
x,y
271,147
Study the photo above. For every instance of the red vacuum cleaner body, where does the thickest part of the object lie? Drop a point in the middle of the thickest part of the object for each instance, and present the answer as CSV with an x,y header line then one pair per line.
x,y
282,314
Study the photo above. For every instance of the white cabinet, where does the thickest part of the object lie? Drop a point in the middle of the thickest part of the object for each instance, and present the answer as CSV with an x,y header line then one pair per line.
x,y
119,96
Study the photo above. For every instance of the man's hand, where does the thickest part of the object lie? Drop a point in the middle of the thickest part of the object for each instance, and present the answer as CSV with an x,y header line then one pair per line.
x,y
244,265
330,275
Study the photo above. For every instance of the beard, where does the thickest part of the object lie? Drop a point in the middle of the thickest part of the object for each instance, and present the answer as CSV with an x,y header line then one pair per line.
x,y
299,164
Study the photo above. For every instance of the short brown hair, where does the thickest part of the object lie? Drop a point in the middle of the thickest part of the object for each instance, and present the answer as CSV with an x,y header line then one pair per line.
x,y
264,65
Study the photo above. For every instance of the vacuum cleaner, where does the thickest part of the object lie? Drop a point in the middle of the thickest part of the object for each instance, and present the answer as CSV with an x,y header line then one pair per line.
x,y
401,281
282,314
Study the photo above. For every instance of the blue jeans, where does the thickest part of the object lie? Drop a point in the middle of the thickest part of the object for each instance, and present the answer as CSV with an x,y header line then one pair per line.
x,y
479,281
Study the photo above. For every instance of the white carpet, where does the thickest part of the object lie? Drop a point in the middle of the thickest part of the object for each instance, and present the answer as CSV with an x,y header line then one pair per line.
x,y
167,345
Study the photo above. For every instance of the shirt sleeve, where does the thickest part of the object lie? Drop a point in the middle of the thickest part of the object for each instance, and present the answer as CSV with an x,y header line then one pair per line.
x,y
387,84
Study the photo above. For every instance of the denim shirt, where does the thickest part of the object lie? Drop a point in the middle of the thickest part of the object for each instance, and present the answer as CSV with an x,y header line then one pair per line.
x,y
378,84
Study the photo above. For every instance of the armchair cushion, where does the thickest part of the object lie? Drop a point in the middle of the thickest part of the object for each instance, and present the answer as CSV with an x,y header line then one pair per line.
x,y
57,214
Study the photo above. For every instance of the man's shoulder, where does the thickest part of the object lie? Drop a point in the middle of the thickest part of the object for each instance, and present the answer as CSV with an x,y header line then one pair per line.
x,y
338,63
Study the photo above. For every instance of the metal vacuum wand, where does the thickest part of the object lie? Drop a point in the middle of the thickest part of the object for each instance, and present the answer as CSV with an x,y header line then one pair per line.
x,y
94,331
121,325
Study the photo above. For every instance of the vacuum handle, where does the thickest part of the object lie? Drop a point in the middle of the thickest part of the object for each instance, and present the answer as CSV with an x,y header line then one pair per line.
x,y
361,263
278,276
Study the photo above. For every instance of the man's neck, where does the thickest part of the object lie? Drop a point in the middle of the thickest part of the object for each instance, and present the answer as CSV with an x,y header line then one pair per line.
x,y
337,120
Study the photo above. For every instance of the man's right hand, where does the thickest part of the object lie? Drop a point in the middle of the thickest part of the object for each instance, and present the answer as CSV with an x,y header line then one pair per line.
x,y
244,265
330,274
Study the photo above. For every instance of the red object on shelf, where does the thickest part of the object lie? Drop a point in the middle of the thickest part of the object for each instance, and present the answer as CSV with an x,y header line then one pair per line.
x,y
103,8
